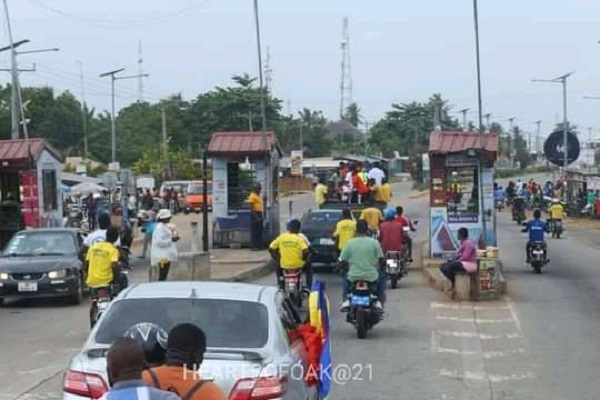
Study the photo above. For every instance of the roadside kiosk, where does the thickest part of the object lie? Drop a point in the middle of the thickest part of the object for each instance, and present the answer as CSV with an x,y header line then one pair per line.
x,y
239,160
454,201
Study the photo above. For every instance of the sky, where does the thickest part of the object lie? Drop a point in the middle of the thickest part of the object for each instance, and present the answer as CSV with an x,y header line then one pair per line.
x,y
401,51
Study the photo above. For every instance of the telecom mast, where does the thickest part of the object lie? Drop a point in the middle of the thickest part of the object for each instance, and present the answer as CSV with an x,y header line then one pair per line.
x,y
346,81
268,71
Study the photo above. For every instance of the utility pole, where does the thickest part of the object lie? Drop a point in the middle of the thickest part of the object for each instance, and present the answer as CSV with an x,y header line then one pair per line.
x,y
510,142
83,113
113,134
464,114
140,73
164,130
538,137
487,121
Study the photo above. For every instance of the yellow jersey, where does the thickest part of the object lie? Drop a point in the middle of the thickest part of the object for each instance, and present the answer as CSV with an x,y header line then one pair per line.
x,y
344,231
386,193
320,194
557,211
101,257
373,217
290,246
256,203
377,194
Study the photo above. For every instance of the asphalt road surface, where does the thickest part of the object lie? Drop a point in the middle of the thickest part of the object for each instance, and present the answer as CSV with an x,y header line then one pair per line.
x,y
538,342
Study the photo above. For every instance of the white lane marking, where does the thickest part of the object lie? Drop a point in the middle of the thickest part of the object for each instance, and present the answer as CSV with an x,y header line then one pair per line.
x,y
477,321
468,375
481,336
436,305
486,354
513,313
42,352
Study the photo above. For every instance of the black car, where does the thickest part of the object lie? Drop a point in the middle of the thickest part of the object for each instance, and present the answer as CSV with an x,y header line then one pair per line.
x,y
41,263
318,227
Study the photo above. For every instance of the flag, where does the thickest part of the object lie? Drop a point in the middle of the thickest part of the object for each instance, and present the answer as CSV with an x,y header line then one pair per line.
x,y
319,319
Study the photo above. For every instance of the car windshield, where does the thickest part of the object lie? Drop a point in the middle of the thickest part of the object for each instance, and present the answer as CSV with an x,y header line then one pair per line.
x,y
27,244
198,188
225,322
320,220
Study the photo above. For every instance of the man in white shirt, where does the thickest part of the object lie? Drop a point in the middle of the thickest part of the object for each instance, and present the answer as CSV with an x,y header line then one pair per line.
x,y
99,235
376,173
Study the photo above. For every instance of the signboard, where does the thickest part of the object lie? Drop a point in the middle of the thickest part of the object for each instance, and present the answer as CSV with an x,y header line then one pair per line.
x,y
114,166
425,161
296,163
593,183
554,148
31,200
461,160
463,217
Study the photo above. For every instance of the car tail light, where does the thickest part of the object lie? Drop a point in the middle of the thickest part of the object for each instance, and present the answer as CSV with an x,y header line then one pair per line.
x,y
265,388
84,384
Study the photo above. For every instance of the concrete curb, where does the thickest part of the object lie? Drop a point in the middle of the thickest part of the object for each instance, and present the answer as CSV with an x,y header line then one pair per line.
x,y
294,193
250,275
416,195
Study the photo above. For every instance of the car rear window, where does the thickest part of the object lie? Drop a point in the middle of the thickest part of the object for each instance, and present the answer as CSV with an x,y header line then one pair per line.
x,y
321,220
227,323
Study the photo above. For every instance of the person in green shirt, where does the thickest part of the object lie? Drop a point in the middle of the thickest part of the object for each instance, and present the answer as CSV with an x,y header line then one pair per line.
x,y
363,255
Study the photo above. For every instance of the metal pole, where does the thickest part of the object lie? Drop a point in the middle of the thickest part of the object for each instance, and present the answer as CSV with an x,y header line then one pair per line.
x,y
510,143
538,137
464,113
205,199
83,113
480,110
112,121
14,112
301,135
565,124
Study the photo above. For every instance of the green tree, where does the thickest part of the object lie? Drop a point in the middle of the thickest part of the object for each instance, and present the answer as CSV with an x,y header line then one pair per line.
x,y
352,115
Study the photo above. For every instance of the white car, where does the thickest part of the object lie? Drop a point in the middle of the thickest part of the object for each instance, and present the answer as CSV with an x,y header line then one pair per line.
x,y
250,353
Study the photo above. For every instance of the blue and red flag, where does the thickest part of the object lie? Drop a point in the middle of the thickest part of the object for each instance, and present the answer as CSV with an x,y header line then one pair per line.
x,y
319,319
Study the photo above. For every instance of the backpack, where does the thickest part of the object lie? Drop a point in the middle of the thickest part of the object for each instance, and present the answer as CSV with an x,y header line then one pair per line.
x,y
187,396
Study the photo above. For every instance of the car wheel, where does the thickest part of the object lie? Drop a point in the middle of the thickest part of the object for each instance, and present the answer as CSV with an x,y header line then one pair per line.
x,y
78,295
1,301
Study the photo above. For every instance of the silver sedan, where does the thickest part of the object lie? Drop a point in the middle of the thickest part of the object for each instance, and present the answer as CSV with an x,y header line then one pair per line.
x,y
251,351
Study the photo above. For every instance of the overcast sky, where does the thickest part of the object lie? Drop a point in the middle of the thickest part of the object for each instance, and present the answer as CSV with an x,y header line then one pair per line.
x,y
401,51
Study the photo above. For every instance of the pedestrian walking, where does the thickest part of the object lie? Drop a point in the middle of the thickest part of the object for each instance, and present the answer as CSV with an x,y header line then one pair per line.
x,y
148,223
163,250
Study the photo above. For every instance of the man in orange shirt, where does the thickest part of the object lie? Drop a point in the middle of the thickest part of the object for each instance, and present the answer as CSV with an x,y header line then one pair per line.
x,y
186,346
256,217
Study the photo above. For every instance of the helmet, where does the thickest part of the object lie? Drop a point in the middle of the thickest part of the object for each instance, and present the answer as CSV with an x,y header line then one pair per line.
x,y
389,214
555,201
153,340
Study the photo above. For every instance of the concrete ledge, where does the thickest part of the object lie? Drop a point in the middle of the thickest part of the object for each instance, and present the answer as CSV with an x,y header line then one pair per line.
x,y
191,266
416,195
249,275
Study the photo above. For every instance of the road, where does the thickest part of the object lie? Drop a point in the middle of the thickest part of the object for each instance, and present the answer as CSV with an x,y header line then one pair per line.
x,y
537,342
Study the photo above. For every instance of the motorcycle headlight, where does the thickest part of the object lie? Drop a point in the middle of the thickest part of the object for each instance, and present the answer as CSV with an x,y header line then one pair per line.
x,y
3,276
57,274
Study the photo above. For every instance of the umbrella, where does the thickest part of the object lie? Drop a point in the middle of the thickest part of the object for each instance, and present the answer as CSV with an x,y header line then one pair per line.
x,y
65,188
86,188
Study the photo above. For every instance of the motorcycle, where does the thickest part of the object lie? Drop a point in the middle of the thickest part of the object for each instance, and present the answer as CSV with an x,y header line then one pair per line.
x,y
499,204
99,303
537,257
293,286
556,228
362,313
395,267
518,210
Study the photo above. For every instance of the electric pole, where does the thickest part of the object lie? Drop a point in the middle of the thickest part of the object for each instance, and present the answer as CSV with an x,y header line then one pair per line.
x,y
464,114
83,113
510,142
538,137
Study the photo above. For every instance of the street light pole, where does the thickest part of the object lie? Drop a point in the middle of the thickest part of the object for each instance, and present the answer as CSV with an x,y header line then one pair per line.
x,y
481,129
113,148
562,80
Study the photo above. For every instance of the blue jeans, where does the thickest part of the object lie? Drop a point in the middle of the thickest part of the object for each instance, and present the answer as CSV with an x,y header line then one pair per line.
x,y
381,283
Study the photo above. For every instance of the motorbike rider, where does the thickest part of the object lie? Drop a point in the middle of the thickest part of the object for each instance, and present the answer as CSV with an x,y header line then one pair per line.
x,y
536,228
373,218
345,229
406,222
365,262
153,340
186,346
102,264
99,235
290,251
391,233
556,212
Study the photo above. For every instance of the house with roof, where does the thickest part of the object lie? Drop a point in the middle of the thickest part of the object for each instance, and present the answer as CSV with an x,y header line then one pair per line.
x,y
30,173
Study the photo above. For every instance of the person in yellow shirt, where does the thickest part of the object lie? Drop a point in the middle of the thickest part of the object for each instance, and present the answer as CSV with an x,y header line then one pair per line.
x,y
345,229
256,217
556,212
290,251
321,192
386,191
373,217
102,261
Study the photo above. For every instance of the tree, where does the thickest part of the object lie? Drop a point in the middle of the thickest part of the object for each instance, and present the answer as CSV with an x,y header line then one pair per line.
x,y
352,115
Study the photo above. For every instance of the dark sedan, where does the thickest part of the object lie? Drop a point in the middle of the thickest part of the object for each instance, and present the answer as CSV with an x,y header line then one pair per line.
x,y
318,227
41,263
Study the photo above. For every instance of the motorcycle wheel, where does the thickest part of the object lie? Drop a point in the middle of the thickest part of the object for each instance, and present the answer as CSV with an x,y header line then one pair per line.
x,y
361,323
537,268
394,281
93,317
